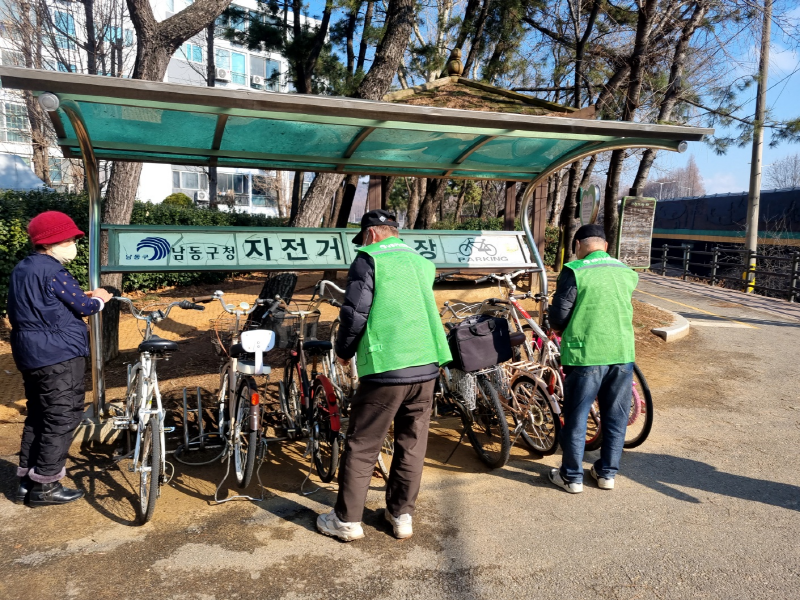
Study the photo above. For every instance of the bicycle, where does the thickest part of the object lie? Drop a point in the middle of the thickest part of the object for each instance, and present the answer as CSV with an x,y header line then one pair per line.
x,y
143,414
473,395
471,244
239,428
308,401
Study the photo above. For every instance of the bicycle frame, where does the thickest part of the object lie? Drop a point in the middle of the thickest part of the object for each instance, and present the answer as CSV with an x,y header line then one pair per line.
x,y
145,394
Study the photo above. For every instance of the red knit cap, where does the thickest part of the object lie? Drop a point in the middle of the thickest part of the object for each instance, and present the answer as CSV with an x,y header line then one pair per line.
x,y
52,227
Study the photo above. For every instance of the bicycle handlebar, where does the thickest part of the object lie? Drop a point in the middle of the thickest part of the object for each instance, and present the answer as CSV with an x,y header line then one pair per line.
x,y
157,315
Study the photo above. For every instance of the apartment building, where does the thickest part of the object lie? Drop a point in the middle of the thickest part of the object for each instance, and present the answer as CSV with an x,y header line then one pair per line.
x,y
236,67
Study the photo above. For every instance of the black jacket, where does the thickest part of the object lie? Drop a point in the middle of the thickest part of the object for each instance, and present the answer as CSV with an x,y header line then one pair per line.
x,y
560,311
353,321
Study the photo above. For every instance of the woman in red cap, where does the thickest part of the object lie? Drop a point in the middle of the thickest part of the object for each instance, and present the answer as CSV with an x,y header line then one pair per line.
x,y
50,343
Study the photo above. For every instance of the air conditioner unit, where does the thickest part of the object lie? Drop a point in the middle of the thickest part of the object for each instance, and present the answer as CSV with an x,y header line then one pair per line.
x,y
222,75
257,80
201,196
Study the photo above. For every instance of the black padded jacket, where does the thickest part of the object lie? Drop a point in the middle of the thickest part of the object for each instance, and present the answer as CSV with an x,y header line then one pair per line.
x,y
560,311
353,321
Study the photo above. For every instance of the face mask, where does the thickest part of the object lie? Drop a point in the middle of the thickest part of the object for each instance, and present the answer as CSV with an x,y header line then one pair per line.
x,y
64,254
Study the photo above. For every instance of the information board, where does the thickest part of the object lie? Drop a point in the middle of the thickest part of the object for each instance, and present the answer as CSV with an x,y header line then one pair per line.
x,y
636,231
151,248
589,205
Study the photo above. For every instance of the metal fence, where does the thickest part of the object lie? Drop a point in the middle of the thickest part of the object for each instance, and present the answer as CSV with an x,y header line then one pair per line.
x,y
779,274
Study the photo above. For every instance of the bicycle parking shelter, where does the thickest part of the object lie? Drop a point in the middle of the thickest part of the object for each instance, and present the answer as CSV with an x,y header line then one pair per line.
x,y
102,118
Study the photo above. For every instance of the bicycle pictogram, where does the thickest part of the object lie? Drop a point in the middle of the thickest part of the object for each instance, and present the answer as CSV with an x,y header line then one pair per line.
x,y
479,246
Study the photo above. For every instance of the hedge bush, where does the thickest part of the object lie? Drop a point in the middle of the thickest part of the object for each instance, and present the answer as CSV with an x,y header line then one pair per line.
x,y
18,208
178,199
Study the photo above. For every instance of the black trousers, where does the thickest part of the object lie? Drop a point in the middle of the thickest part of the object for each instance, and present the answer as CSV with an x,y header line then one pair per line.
x,y
374,408
55,405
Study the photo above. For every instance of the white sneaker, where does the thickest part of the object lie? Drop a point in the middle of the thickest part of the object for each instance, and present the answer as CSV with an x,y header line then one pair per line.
x,y
604,483
555,478
331,525
401,525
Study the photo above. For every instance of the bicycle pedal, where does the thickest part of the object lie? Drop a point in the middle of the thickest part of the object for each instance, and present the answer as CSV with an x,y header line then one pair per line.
x,y
169,429
120,424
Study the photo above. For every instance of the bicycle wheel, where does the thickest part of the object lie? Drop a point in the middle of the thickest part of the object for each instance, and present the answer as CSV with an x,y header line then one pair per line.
x,y
245,440
487,428
594,435
386,455
640,419
149,469
325,430
542,426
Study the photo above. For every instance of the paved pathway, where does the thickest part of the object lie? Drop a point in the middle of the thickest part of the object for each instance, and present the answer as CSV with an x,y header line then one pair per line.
x,y
708,507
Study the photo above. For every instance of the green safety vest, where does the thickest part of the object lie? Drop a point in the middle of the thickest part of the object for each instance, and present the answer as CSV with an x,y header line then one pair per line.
x,y
404,328
600,331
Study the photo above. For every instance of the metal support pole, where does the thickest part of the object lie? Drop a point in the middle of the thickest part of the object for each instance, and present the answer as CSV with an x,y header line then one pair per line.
x,y
794,278
714,259
687,249
526,227
664,250
73,112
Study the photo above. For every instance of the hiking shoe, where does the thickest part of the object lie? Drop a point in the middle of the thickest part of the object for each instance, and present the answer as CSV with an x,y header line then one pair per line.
x,y
331,525
401,525
555,478
604,483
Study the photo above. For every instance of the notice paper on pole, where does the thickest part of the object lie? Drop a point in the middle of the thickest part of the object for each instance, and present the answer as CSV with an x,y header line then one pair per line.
x,y
151,248
636,231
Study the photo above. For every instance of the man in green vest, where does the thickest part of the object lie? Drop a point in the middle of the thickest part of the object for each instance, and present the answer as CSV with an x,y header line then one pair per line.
x,y
592,307
390,323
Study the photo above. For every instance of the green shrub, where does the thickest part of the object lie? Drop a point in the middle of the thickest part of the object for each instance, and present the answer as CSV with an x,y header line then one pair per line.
x,y
178,199
18,208
551,235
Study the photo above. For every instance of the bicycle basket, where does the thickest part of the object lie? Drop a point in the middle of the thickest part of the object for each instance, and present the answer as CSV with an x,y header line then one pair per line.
x,y
287,328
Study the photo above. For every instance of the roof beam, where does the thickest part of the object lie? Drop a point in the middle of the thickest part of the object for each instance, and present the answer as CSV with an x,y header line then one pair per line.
x,y
352,163
355,143
475,146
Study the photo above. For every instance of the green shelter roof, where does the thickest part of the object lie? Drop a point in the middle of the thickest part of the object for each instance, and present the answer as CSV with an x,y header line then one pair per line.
x,y
146,121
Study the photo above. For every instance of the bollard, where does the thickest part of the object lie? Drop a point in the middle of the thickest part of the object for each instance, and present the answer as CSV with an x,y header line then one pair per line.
x,y
714,259
686,252
665,249
794,277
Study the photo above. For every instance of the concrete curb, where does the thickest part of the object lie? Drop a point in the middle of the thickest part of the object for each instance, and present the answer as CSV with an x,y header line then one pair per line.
x,y
678,330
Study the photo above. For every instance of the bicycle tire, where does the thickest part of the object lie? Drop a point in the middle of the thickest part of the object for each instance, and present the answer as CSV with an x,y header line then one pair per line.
x,y
149,481
326,438
594,435
244,457
641,412
643,415
542,426
487,426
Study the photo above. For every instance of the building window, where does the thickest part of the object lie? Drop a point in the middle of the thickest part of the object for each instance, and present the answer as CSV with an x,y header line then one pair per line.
x,y
222,59
239,184
189,180
129,37
192,52
16,123
65,27
238,68
56,170
12,58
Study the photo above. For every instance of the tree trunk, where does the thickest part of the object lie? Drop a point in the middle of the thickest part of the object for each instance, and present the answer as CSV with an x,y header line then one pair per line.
x,y
350,186
673,90
297,194
211,82
333,215
637,61
388,56
414,201
477,38
434,193
520,193
568,222
362,49
462,195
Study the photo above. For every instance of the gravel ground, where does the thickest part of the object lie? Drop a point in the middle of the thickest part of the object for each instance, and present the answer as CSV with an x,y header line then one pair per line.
x,y
706,508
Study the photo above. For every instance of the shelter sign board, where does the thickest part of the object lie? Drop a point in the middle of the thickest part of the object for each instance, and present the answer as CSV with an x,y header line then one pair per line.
x,y
151,248
589,205
636,231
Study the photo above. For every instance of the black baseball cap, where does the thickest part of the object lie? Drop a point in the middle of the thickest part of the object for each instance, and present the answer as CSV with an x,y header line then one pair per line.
x,y
374,218
588,231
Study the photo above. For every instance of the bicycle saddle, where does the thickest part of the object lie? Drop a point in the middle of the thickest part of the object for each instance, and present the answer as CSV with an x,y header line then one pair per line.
x,y
317,347
157,345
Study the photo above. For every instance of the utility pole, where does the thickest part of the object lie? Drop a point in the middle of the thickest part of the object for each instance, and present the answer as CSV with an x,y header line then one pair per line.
x,y
754,197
